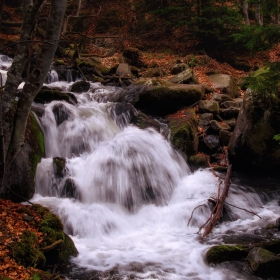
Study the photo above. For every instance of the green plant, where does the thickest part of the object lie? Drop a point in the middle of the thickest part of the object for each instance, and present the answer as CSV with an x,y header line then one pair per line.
x,y
277,138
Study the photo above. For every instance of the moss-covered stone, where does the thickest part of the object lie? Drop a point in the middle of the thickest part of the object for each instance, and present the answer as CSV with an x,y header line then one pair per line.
x,y
21,173
59,165
184,132
46,95
63,246
263,262
198,161
81,86
222,253
26,251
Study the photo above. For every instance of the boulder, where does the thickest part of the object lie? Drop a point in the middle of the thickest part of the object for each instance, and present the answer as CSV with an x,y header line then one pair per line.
x,y
224,137
230,104
185,77
178,68
222,253
184,132
210,106
225,83
251,145
123,70
47,95
20,176
263,262
163,100
198,161
154,72
81,86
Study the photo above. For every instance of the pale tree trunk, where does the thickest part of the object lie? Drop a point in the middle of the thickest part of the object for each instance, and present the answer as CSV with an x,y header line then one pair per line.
x,y
79,8
276,14
36,79
245,8
258,14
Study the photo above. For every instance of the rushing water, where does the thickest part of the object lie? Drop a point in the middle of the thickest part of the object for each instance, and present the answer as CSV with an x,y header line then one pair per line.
x,y
132,195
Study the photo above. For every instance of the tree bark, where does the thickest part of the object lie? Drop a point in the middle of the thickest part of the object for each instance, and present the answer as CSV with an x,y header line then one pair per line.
x,y
14,76
258,14
36,79
245,8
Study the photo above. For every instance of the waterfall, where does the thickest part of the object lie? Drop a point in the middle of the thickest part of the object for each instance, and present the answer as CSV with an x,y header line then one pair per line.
x,y
126,196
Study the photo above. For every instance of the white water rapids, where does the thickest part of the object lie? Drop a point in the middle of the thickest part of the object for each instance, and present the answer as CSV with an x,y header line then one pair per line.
x,y
134,196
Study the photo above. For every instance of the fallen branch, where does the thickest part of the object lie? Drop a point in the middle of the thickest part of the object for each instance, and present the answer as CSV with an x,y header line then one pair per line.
x,y
53,245
218,209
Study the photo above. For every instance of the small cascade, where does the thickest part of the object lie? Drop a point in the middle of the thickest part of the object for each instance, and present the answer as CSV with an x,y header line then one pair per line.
x,y
52,76
69,77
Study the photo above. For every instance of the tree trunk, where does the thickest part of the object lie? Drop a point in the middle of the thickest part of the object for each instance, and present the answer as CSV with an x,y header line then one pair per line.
x,y
258,14
14,76
245,8
1,10
36,78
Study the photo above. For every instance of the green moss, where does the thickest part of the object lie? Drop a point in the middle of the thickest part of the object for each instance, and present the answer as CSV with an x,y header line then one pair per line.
x,y
59,166
37,142
26,251
198,160
52,228
183,132
221,253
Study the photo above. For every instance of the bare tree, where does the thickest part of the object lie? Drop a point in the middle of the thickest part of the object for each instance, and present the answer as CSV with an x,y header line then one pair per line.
x,y
15,114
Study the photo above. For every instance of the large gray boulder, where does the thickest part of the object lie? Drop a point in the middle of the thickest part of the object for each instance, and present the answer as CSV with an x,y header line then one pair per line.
x,y
185,77
251,145
161,99
225,83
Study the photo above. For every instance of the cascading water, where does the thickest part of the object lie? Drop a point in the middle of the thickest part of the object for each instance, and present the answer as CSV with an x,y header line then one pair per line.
x,y
126,196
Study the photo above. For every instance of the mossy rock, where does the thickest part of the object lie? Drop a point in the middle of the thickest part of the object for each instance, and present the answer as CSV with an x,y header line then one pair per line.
x,y
81,86
184,132
47,95
21,173
56,245
26,251
264,263
222,253
198,161
59,165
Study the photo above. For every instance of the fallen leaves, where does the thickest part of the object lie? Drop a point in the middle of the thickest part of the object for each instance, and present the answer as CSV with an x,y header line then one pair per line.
x,y
12,224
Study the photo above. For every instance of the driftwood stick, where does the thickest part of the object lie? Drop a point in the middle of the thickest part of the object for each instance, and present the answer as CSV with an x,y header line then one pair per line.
x,y
220,204
53,245
193,212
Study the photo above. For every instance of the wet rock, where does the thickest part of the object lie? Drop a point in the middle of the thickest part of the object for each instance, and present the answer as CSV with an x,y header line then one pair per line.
x,y
59,165
278,224
81,86
224,137
219,125
263,262
47,95
223,253
184,132
178,68
229,113
225,83
210,106
61,114
124,113
212,141
69,189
